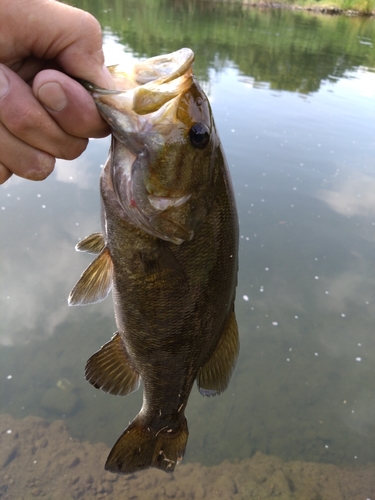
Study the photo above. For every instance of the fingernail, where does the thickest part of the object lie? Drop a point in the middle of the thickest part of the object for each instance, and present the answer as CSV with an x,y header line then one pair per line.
x,y
4,83
53,96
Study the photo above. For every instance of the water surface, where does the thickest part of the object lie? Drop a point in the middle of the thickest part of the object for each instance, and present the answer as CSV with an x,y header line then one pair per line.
x,y
293,97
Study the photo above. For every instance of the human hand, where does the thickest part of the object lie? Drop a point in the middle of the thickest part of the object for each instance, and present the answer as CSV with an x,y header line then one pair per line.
x,y
45,114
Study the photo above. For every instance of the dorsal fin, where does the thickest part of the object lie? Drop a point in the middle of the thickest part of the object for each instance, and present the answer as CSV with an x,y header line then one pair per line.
x,y
95,282
110,369
213,377
94,243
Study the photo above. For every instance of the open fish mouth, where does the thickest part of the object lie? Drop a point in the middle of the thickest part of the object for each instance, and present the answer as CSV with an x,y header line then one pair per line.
x,y
147,86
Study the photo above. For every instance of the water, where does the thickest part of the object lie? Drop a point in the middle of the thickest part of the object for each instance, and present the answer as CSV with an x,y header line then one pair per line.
x,y
293,97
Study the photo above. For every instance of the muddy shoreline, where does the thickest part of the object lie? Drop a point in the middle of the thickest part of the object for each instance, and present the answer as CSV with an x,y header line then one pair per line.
x,y
41,460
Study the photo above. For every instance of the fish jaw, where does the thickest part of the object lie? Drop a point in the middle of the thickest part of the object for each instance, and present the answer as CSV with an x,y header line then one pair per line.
x,y
150,124
149,88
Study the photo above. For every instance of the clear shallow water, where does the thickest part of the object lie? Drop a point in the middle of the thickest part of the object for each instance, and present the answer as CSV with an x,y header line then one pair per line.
x,y
298,131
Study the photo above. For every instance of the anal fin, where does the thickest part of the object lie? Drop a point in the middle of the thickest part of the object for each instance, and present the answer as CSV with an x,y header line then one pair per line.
x,y
213,378
95,282
110,369
94,243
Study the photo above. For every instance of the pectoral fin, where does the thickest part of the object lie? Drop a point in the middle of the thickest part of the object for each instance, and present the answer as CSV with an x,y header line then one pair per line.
x,y
214,376
110,369
95,282
164,271
94,243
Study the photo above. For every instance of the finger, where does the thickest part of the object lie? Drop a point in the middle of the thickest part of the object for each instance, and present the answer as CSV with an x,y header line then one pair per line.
x,y
83,56
5,173
71,36
26,119
70,105
19,158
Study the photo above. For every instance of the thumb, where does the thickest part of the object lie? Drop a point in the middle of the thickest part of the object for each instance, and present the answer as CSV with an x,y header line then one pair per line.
x,y
70,36
81,53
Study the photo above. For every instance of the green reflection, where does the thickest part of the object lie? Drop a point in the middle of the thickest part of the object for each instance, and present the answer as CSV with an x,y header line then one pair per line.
x,y
289,50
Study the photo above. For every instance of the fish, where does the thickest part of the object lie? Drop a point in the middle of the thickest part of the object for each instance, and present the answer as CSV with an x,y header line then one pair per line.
x,y
168,250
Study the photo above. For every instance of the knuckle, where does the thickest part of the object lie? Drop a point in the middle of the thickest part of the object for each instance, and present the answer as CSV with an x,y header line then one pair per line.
x,y
91,24
21,120
93,32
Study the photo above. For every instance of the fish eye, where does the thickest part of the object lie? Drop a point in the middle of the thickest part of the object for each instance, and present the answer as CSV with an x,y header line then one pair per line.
x,y
199,135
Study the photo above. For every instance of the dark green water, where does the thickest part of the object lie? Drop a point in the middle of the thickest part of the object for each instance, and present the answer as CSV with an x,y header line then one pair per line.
x,y
293,97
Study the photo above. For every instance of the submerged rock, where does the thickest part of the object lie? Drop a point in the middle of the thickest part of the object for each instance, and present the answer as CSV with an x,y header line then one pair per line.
x,y
61,400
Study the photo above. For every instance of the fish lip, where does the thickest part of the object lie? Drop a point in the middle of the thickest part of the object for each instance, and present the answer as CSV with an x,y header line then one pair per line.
x,y
184,56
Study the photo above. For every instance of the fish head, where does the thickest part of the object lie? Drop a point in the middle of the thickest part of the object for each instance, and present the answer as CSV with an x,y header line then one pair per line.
x,y
164,145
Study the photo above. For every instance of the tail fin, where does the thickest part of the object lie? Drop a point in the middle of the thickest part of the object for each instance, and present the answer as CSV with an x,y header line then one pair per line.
x,y
140,447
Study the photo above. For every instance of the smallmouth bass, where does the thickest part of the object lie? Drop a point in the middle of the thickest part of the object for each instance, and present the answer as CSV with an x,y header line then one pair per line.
x,y
168,251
